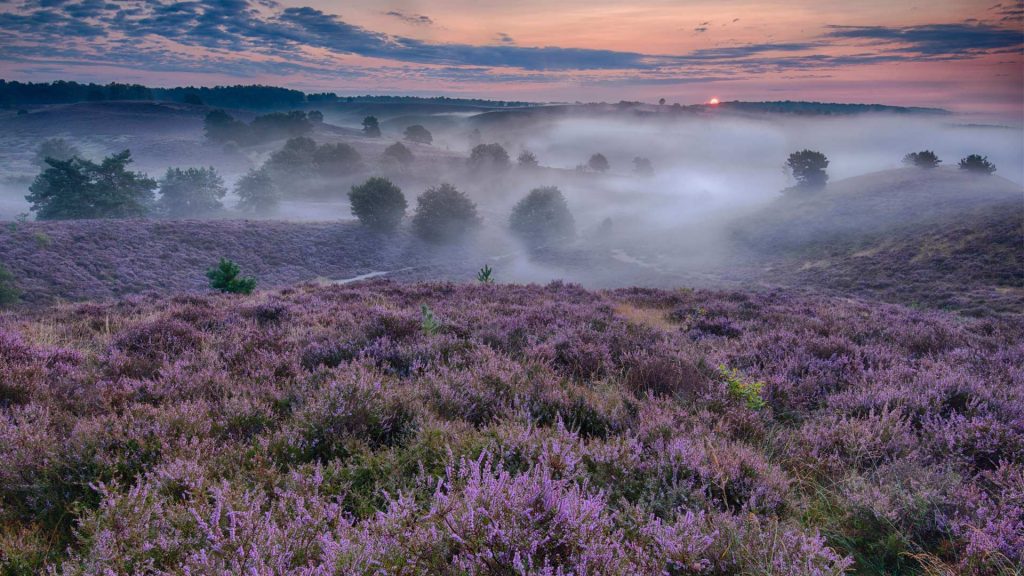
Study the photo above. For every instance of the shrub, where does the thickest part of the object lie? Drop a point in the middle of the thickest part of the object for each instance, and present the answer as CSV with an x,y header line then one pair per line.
x,y
484,275
336,159
397,153
378,203
488,158
417,133
9,293
444,214
922,159
371,127
428,324
527,159
191,192
741,389
542,217
256,192
225,277
598,163
77,188
56,148
642,166
808,167
977,164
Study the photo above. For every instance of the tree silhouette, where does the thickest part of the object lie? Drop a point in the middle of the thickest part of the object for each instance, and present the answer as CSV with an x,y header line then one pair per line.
x,y
922,159
808,167
977,164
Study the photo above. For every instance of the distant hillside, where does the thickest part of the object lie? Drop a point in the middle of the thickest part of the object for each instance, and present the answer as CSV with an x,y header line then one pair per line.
x,y
824,108
938,238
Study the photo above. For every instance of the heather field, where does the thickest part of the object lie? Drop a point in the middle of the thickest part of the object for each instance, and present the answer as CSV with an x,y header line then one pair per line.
x,y
384,428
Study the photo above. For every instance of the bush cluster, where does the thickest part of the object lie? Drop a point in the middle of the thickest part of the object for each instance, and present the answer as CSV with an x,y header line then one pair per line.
x,y
352,429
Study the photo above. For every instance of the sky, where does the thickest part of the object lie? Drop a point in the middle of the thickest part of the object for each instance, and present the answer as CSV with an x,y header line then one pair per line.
x,y
961,55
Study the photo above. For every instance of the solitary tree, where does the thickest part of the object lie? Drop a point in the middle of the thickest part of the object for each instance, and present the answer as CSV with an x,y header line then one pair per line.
x,y
642,166
315,116
256,192
378,203
226,278
444,214
542,217
598,163
191,192
417,133
977,164
808,167
336,159
371,127
527,159
398,153
488,157
56,148
922,159
77,188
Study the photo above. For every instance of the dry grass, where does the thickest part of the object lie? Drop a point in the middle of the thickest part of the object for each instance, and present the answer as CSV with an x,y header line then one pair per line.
x,y
652,317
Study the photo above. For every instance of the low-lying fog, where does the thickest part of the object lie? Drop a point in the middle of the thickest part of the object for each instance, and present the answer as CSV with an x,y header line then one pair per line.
x,y
705,167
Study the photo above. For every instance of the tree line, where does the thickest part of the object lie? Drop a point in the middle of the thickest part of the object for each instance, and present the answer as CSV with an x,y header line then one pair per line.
x,y
248,97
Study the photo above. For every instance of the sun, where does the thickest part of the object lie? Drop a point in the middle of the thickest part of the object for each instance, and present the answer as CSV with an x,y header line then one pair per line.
x,y
713,102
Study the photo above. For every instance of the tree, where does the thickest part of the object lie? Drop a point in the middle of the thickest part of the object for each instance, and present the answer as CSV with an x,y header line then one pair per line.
x,y
542,217
219,126
922,159
488,157
225,277
9,293
56,148
977,164
256,192
661,101
77,188
378,203
527,159
399,154
277,125
642,166
443,214
371,127
336,159
417,133
193,99
316,117
808,167
191,192
598,163
294,160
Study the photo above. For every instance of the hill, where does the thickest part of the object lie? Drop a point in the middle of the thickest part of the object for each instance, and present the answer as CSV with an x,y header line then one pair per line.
x,y
95,259
934,238
337,429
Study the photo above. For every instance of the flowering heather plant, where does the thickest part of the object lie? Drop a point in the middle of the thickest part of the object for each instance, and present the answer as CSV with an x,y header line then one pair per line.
x,y
544,430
